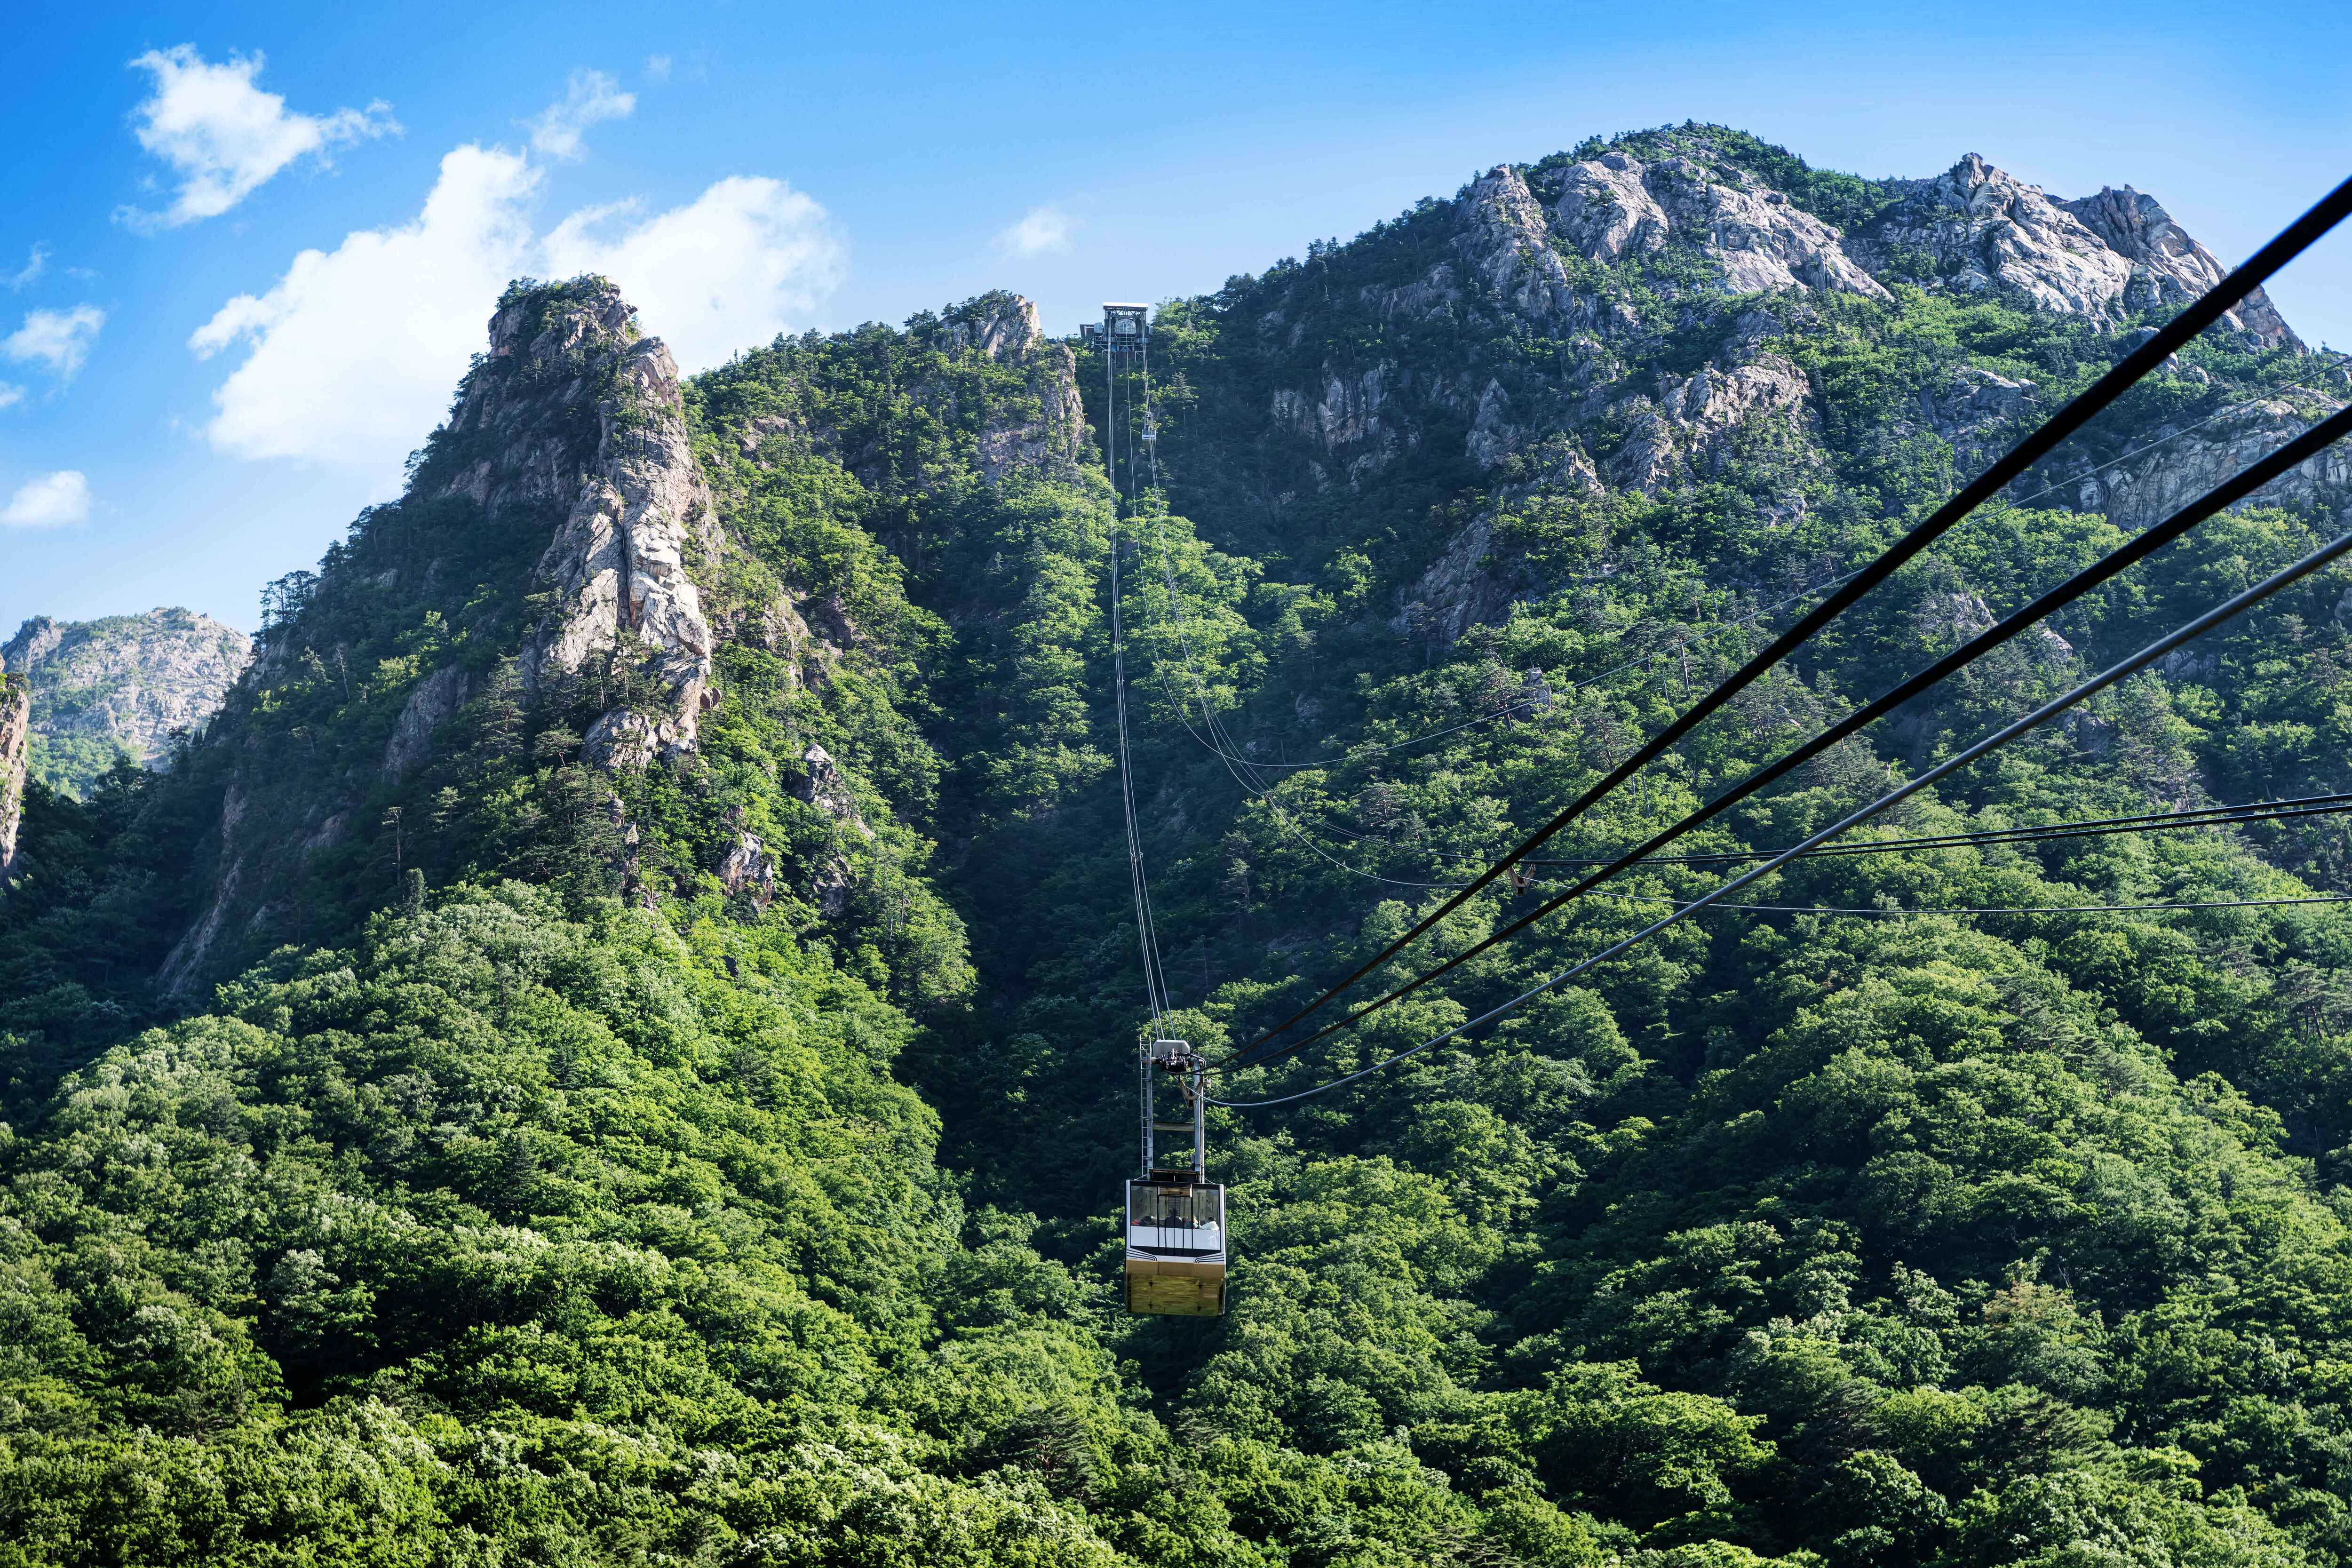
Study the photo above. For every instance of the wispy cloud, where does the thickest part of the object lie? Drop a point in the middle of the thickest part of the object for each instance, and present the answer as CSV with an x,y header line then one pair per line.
x,y
35,265
53,501
225,136
588,98
350,358
1041,230
11,395
57,339
657,68
728,271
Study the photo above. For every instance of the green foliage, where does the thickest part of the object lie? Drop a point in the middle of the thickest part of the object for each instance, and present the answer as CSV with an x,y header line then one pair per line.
x,y
537,1192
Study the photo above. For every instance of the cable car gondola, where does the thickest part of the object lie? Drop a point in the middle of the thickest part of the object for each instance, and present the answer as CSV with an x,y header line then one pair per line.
x,y
1175,1214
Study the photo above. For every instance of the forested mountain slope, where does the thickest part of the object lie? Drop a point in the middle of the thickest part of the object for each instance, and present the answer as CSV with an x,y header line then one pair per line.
x,y
617,1045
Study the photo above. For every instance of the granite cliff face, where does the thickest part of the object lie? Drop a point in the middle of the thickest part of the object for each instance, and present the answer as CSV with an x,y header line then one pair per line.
x,y
576,411
15,749
564,479
128,683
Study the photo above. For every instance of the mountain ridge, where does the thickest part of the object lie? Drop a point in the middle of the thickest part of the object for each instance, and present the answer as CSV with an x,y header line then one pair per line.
x,y
649,1039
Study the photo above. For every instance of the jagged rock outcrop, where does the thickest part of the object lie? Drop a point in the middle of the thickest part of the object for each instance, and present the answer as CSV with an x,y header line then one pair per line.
x,y
823,786
748,868
1506,243
2168,267
1980,228
1977,411
435,698
1049,433
16,753
2142,493
575,410
131,682
186,959
1975,229
1615,206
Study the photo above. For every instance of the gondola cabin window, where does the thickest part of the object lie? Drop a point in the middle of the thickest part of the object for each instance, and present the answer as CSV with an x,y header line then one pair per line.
x,y
1176,1248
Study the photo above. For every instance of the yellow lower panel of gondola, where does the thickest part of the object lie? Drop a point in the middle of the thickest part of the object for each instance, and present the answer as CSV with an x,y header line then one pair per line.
x,y
1175,1289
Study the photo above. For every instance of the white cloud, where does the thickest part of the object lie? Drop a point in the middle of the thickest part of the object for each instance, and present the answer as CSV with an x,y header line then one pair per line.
x,y
351,356
57,339
588,98
225,136
656,67
728,272
11,395
53,501
1043,230
354,351
35,265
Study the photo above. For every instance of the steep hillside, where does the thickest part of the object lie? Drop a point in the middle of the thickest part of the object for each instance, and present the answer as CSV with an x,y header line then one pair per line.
x,y
128,685
616,1043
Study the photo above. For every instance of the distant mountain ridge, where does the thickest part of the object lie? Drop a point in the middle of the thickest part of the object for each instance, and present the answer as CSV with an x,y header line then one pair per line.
x,y
121,683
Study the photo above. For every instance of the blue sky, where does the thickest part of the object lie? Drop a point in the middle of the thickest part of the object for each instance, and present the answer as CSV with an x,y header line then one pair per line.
x,y
233,297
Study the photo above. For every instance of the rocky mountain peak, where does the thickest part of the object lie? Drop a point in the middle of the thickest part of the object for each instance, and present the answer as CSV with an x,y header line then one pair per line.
x,y
575,412
121,684
1506,239
1975,229
2168,267
1001,325
1615,205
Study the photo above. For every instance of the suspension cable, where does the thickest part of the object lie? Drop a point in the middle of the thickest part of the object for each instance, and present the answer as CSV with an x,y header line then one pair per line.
x,y
2317,558
2161,345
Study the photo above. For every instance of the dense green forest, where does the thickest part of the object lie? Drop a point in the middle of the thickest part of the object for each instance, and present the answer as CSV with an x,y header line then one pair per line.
x,y
433,1137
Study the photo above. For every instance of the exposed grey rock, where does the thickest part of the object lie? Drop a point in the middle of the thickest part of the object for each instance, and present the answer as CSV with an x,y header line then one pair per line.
x,y
1975,411
127,681
435,698
1615,206
1046,432
1508,245
2144,490
823,786
630,491
15,755
2169,267
747,867
1462,588
2197,666
185,962
2105,257
1983,229
1721,398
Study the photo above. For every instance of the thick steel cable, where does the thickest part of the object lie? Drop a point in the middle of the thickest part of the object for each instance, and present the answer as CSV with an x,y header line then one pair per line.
x,y
1152,983
2237,488
2181,329
2326,554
